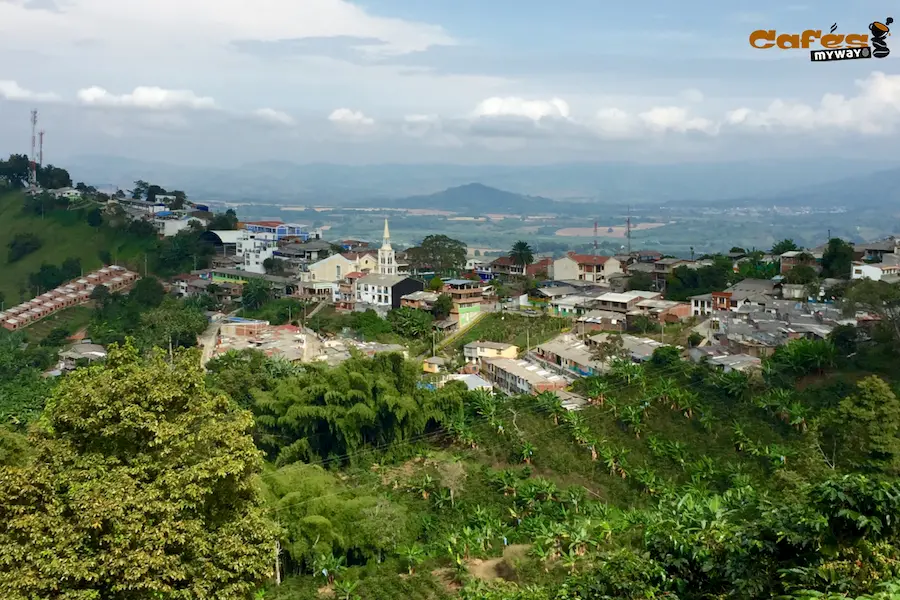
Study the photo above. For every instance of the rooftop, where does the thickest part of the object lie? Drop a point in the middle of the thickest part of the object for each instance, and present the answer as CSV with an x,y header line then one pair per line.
x,y
473,382
491,345
523,369
626,297
571,348
598,316
588,259
639,348
385,280
555,291
455,282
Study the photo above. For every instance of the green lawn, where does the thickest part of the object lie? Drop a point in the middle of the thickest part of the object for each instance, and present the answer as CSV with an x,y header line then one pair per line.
x,y
511,328
65,234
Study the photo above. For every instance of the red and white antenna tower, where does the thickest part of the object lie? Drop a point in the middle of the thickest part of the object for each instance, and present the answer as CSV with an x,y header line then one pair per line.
x,y
32,173
41,148
595,238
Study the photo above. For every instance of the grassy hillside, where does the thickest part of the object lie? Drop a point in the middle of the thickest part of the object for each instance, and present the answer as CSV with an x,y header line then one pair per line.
x,y
65,234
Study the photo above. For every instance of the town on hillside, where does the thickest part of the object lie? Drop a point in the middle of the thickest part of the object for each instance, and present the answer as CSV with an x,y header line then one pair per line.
x,y
731,310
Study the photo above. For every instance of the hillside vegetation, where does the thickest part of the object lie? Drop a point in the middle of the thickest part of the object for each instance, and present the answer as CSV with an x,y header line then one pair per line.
x,y
65,234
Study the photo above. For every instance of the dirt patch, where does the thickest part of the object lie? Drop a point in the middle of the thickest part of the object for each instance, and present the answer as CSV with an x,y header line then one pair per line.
x,y
326,592
609,231
498,568
447,579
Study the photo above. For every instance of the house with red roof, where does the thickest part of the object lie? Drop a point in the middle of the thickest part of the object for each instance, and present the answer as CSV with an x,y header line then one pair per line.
x,y
585,267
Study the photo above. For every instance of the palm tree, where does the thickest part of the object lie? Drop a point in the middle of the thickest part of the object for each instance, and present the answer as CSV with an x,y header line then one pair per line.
x,y
255,293
522,254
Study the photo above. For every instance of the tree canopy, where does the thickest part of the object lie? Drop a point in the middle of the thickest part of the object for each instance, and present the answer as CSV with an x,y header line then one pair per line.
x,y
141,485
440,253
521,254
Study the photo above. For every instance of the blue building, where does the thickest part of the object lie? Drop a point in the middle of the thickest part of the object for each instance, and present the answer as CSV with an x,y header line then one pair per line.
x,y
278,229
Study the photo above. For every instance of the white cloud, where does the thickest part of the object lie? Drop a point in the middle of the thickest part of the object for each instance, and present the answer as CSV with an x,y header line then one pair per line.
x,y
10,90
663,119
519,107
874,110
350,117
273,116
614,123
152,98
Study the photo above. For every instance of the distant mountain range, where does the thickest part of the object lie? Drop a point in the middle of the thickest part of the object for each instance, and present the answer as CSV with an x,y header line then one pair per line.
x,y
621,184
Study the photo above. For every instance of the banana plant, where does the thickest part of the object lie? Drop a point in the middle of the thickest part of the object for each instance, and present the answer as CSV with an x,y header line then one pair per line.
x,y
413,556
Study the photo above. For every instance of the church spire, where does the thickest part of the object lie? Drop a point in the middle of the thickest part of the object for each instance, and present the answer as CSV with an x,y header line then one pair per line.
x,y
386,239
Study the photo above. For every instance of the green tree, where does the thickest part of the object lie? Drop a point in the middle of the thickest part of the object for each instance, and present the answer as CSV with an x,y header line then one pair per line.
x,y
140,189
22,245
255,293
94,218
142,486
148,292
410,322
612,347
837,258
436,284
640,281
521,254
172,325
442,307
801,274
737,250
226,221
784,246
438,252
879,298
869,421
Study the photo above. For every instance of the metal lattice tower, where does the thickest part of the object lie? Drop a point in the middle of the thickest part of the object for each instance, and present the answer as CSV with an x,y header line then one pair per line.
x,y
32,163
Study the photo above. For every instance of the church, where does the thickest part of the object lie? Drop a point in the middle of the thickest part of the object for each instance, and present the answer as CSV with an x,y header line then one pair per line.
x,y
383,288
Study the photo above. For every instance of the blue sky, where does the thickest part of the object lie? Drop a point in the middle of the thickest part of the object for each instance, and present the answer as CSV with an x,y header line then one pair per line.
x,y
463,81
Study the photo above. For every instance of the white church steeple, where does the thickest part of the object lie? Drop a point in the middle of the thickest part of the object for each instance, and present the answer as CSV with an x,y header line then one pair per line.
x,y
387,258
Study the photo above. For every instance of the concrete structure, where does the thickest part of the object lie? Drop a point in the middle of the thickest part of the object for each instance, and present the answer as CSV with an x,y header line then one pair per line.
x,y
467,297
889,266
385,290
516,377
472,382
662,311
791,259
423,300
625,301
601,320
638,348
570,353
346,292
504,265
476,352
254,248
664,267
749,292
435,364
281,286
585,267
280,230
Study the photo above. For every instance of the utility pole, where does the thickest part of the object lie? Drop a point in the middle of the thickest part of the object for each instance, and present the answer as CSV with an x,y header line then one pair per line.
x,y
145,264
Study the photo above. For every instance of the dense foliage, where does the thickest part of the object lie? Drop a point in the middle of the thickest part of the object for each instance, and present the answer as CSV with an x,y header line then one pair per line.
x,y
141,485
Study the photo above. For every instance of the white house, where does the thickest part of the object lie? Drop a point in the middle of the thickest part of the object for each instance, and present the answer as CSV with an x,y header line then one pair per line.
x,y
585,267
890,265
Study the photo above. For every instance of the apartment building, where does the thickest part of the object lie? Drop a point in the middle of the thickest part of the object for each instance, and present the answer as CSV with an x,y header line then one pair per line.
x,y
467,296
515,377
585,267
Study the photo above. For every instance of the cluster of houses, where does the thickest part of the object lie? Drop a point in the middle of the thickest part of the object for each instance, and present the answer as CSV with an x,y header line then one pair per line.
x,y
73,293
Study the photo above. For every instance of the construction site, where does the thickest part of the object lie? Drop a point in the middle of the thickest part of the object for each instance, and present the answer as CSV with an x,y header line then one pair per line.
x,y
292,343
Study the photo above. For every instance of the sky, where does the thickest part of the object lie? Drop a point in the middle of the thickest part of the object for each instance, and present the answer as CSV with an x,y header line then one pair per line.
x,y
212,82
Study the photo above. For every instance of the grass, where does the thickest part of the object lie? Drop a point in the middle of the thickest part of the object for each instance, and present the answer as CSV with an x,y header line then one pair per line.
x,y
73,319
511,328
65,234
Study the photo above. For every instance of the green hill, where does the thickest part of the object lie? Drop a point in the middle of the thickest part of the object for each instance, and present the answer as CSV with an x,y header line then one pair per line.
x,y
65,234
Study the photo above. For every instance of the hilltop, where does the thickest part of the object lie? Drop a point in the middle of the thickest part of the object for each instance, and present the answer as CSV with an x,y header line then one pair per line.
x,y
65,234
475,198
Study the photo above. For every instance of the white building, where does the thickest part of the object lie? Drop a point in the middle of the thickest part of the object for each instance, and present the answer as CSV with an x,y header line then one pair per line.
x,y
876,271
254,248
585,267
